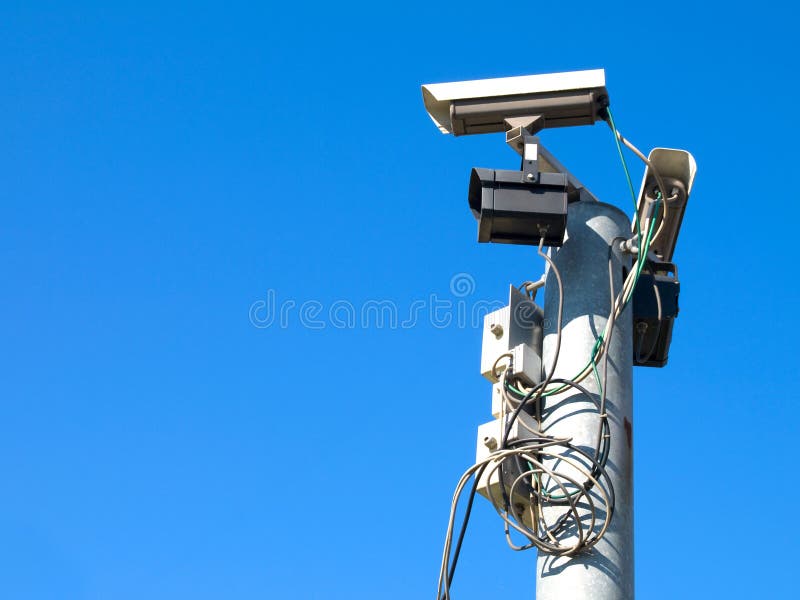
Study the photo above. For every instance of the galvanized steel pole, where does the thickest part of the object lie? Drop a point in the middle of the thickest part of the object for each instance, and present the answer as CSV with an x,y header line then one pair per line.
x,y
594,229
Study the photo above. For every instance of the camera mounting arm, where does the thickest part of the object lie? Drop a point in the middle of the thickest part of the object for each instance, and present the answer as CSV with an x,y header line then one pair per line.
x,y
520,136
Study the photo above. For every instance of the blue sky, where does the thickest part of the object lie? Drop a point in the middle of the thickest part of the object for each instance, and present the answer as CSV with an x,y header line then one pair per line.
x,y
166,168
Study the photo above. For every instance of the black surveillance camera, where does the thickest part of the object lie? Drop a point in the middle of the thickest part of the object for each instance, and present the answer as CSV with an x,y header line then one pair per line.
x,y
515,207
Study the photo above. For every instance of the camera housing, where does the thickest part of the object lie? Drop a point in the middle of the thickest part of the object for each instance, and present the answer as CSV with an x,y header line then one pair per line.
x,y
520,207
513,210
485,105
677,169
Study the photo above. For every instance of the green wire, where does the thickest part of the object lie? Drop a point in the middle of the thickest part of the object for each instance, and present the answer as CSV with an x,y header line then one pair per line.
x,y
597,376
627,173
648,238
598,342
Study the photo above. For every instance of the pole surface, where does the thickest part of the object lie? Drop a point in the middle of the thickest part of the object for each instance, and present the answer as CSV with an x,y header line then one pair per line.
x,y
605,572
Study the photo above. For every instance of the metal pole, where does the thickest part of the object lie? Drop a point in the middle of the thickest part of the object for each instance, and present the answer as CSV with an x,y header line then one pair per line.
x,y
605,572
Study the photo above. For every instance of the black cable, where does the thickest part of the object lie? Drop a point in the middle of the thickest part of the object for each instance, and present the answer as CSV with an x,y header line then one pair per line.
x,y
462,532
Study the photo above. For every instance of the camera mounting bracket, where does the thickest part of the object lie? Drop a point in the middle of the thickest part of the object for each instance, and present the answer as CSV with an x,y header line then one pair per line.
x,y
520,134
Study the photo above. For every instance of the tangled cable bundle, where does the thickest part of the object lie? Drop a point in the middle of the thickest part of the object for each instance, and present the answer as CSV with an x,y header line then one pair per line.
x,y
559,488
555,474
553,493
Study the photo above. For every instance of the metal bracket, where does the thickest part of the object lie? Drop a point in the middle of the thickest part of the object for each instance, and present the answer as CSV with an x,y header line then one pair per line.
x,y
530,158
519,127
520,134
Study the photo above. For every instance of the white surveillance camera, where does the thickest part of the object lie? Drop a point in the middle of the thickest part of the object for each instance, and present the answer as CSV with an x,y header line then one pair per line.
x,y
490,105
677,169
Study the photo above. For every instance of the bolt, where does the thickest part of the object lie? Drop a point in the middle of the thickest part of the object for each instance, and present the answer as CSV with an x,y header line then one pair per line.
x,y
531,176
628,247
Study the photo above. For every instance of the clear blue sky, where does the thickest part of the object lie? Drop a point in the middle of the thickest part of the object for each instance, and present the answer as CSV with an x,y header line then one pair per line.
x,y
163,169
